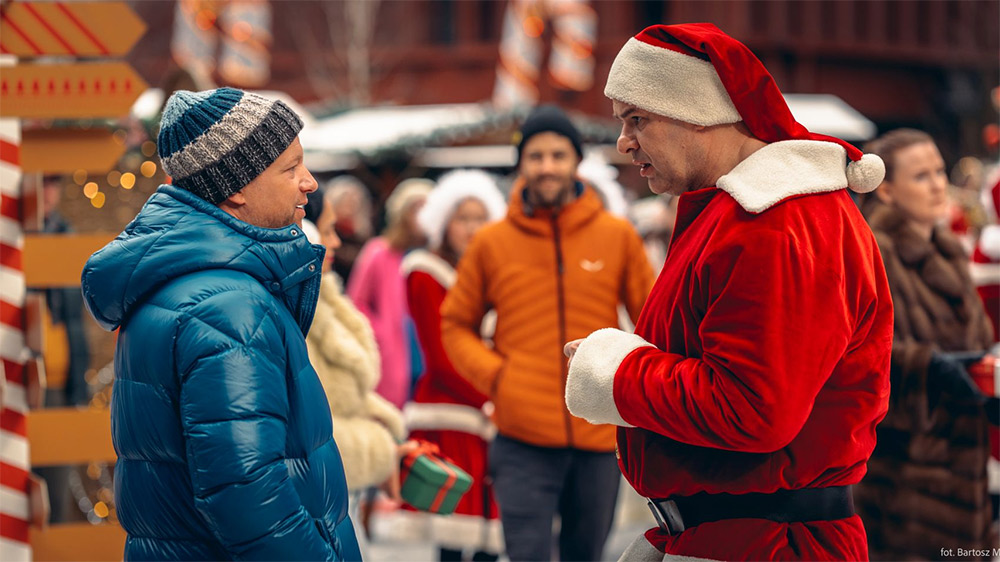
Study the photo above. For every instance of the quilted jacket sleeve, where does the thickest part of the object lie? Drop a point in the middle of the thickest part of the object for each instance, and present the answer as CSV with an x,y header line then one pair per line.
x,y
234,410
461,316
639,276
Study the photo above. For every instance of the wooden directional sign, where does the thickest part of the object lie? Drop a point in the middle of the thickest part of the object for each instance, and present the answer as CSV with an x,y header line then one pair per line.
x,y
69,91
80,29
64,151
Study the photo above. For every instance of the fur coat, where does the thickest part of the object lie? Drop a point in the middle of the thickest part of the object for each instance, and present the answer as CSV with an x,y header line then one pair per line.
x,y
366,426
926,482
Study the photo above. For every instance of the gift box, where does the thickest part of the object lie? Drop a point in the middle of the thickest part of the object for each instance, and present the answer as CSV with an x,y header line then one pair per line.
x,y
432,482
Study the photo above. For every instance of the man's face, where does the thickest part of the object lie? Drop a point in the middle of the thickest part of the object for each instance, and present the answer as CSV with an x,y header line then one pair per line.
x,y
671,154
275,198
548,166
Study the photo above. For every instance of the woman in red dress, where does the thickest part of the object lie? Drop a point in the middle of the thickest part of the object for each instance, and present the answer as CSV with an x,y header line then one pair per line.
x,y
446,410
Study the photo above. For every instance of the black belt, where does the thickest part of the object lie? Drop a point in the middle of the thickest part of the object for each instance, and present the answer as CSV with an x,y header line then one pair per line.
x,y
784,506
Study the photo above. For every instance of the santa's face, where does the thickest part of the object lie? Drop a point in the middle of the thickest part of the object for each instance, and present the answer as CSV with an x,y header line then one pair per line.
x,y
671,154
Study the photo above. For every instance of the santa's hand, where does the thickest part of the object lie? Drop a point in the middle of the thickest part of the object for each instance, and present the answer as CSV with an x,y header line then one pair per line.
x,y
569,350
591,378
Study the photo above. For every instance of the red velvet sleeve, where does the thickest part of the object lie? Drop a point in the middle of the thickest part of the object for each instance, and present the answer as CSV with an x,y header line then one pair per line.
x,y
425,296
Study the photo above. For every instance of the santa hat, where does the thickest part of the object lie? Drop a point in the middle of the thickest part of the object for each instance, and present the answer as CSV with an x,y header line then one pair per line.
x,y
697,74
453,188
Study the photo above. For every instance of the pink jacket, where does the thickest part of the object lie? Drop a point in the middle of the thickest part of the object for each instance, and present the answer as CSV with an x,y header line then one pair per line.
x,y
378,290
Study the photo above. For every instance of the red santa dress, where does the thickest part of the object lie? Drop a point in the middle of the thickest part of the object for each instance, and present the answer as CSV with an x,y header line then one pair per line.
x,y
760,361
448,411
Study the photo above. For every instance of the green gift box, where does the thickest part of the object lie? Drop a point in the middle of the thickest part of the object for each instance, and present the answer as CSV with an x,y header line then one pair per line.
x,y
431,482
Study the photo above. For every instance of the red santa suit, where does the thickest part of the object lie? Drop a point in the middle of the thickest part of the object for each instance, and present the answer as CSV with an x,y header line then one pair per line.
x,y
448,411
760,361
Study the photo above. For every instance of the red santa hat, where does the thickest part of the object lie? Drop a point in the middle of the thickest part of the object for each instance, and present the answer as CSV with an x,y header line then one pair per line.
x,y
697,74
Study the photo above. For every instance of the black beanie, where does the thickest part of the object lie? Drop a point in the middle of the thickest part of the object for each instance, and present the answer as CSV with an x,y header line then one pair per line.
x,y
546,118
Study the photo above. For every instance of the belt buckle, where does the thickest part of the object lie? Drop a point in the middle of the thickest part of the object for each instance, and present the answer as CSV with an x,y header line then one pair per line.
x,y
667,516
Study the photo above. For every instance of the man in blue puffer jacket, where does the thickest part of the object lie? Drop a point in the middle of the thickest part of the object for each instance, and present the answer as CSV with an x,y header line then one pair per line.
x,y
223,433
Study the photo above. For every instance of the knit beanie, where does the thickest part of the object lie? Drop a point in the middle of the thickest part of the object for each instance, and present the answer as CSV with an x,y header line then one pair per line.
x,y
549,118
453,188
697,74
213,143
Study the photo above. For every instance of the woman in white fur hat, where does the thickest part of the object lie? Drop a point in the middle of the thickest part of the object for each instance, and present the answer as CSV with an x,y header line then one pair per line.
x,y
446,409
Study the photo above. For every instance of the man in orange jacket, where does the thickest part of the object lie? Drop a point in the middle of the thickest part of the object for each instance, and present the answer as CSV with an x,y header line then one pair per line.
x,y
554,269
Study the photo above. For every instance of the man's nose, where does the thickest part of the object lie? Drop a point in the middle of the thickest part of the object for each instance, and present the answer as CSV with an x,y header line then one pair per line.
x,y
310,183
626,143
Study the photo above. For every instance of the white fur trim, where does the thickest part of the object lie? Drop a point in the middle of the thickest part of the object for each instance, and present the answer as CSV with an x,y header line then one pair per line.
x,y
989,241
591,381
866,174
453,188
455,531
984,274
431,264
782,169
670,83
448,417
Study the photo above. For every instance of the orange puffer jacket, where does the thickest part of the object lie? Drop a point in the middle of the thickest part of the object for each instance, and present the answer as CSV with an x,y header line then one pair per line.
x,y
551,278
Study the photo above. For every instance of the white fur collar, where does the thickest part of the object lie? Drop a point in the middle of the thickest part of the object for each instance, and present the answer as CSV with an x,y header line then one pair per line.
x,y
430,263
783,169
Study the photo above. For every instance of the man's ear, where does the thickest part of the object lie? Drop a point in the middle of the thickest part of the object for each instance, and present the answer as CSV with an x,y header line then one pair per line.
x,y
237,199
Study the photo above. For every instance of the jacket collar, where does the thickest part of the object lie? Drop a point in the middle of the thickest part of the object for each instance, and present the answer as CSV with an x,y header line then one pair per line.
x,y
784,169
539,221
177,233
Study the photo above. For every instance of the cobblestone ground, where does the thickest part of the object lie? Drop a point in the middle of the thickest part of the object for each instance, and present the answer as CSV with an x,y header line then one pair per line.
x,y
631,519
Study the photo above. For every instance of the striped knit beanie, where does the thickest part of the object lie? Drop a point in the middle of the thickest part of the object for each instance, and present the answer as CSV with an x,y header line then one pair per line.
x,y
214,143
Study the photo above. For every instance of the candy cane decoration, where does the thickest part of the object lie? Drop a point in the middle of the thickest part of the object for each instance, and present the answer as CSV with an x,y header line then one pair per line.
x,y
194,38
246,38
571,63
574,27
14,461
520,54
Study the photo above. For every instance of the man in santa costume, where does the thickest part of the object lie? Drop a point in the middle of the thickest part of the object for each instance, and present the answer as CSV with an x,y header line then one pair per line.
x,y
747,397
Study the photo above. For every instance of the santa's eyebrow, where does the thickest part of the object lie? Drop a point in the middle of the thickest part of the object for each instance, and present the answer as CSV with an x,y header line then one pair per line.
x,y
625,114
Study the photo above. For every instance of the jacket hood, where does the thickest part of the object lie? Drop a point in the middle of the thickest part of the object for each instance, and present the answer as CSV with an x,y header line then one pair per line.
x,y
177,233
538,220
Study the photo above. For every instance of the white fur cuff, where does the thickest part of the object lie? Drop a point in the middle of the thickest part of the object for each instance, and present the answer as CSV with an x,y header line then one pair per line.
x,y
591,381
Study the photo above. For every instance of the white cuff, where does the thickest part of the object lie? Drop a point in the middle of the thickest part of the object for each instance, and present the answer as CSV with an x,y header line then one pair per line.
x,y
591,382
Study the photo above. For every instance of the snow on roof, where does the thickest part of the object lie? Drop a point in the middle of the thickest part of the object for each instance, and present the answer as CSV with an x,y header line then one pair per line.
x,y
829,115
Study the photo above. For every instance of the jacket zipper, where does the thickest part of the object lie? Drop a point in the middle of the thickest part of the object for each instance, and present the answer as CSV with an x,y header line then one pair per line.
x,y
560,271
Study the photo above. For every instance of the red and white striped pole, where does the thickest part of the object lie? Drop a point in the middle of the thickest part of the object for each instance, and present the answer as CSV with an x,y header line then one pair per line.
x,y
14,461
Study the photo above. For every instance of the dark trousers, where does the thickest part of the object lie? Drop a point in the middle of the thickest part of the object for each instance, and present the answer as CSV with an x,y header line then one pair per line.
x,y
532,484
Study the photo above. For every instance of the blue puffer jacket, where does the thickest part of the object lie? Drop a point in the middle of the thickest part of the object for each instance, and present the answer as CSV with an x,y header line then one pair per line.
x,y
223,433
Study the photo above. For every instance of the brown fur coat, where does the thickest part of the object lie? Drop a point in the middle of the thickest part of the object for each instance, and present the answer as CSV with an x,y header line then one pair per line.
x,y
926,483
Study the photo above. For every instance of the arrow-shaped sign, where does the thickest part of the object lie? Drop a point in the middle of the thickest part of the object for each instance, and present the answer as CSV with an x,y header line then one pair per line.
x,y
80,29
64,151
69,91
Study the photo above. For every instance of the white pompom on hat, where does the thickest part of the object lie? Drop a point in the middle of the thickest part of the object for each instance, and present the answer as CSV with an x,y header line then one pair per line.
x,y
697,74
453,188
